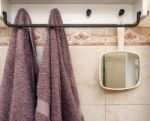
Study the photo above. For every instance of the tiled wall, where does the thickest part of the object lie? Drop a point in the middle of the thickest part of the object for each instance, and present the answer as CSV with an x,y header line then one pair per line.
x,y
86,47
100,105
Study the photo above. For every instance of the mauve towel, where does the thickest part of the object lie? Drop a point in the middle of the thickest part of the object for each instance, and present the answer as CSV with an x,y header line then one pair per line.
x,y
18,97
56,91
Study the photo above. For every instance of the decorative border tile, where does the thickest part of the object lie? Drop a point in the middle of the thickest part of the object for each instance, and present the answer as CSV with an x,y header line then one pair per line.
x,y
90,36
4,36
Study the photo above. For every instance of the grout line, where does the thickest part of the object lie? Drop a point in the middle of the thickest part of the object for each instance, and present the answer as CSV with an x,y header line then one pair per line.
x,y
105,90
105,106
125,104
93,104
113,104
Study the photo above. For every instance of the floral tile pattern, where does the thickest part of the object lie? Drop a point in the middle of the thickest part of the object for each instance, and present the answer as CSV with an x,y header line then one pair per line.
x,y
89,36
137,36
4,36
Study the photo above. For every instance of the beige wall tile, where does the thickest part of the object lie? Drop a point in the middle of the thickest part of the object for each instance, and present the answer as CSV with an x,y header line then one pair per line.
x,y
3,53
138,95
93,112
39,50
128,113
91,94
85,62
111,48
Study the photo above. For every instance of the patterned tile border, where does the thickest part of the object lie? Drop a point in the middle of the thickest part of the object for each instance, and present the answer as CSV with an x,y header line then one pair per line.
x,y
90,36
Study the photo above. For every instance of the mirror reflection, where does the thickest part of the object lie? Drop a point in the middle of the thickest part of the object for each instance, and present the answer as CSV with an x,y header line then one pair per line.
x,y
120,70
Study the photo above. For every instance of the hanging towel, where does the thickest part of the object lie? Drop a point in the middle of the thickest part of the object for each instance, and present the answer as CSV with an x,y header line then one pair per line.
x,y
57,92
17,96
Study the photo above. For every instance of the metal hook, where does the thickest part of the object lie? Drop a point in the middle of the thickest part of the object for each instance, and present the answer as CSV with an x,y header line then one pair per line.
x,y
88,12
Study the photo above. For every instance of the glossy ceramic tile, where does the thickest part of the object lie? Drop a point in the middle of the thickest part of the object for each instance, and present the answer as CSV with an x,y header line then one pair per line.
x,y
91,94
39,50
93,112
128,113
3,53
138,95
85,61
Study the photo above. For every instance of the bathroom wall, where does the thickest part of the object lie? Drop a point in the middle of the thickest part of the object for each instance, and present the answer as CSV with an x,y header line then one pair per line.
x,y
86,47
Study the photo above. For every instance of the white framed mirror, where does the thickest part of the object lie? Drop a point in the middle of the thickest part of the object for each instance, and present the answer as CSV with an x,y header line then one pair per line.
x,y
119,70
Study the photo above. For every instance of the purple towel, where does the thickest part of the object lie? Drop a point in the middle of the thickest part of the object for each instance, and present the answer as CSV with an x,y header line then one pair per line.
x,y
57,93
18,97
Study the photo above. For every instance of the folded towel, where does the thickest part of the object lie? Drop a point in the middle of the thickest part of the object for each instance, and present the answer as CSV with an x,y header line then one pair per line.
x,y
18,96
56,92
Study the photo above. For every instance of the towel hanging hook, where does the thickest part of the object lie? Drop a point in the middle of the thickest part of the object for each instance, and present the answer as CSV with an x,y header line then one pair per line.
x,y
88,12
72,25
121,12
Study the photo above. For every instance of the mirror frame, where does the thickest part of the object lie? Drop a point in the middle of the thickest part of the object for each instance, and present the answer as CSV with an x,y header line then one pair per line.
x,y
119,89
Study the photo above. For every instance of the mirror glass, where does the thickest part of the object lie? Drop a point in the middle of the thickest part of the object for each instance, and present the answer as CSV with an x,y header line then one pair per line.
x,y
120,70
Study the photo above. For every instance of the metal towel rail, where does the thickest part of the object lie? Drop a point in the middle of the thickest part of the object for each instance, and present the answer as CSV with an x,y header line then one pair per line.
x,y
72,25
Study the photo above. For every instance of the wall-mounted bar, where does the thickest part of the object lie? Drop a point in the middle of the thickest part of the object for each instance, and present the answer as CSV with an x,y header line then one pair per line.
x,y
71,25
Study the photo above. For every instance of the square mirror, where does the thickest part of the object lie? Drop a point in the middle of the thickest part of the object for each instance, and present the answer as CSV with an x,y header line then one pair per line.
x,y
119,70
